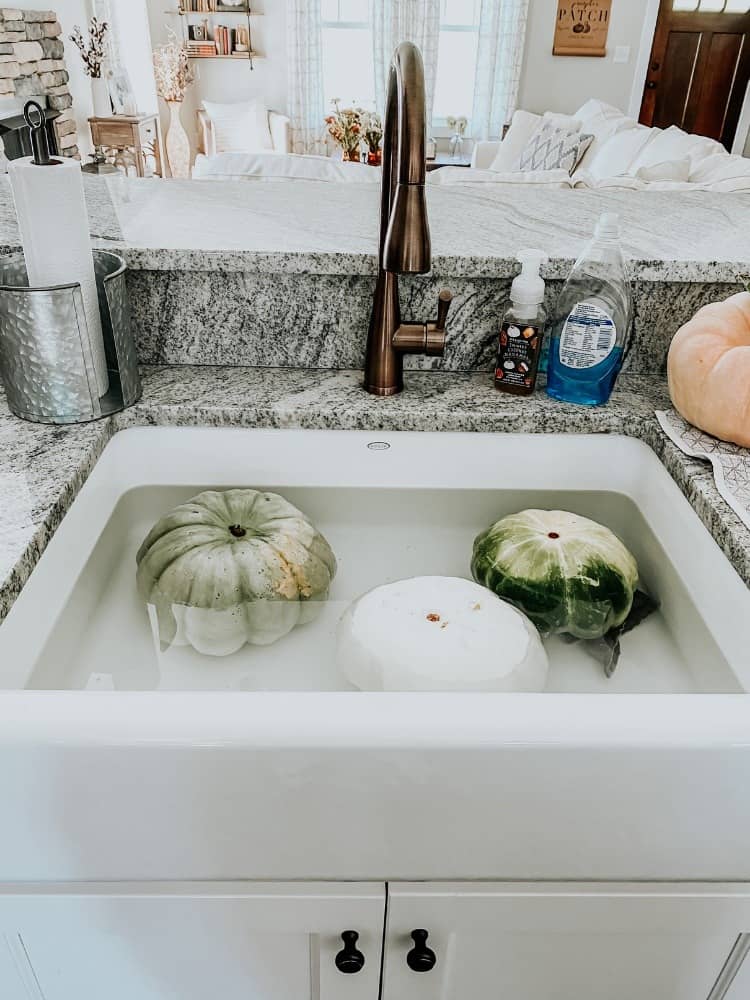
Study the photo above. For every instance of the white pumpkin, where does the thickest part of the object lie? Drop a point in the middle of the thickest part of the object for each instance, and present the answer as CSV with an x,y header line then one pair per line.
x,y
234,567
438,633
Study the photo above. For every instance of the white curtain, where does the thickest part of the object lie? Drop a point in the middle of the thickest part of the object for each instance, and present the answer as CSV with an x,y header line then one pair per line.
x,y
305,75
396,21
502,33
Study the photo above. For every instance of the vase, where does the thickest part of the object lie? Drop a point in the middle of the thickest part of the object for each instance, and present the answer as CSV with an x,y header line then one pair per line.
x,y
177,143
352,155
100,96
375,157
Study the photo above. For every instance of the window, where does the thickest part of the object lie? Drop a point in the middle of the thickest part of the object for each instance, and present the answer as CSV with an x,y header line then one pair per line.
x,y
349,73
457,62
348,69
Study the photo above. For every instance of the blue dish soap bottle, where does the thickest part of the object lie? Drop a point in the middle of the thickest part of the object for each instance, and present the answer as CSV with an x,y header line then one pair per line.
x,y
592,320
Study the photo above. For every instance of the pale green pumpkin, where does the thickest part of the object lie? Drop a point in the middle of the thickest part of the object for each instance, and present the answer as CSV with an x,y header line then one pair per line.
x,y
234,567
568,574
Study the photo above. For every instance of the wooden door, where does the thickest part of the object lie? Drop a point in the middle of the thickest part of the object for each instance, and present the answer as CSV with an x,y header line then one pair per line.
x,y
192,941
700,67
576,941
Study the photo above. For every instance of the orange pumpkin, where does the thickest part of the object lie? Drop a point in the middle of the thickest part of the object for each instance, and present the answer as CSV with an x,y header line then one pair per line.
x,y
709,369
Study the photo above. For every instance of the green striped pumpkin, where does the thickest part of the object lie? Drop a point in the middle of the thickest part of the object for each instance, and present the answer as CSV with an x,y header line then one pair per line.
x,y
567,573
233,567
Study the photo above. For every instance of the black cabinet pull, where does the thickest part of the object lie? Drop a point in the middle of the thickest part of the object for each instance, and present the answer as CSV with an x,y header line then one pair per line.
x,y
350,959
421,958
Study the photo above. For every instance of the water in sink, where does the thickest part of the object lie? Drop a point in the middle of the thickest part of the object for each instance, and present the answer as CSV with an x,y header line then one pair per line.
x,y
103,640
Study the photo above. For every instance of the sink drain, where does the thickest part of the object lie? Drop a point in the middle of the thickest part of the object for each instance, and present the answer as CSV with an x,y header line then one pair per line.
x,y
378,446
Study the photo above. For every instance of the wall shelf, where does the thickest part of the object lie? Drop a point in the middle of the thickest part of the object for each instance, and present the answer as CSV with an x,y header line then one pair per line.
x,y
189,18
244,57
215,13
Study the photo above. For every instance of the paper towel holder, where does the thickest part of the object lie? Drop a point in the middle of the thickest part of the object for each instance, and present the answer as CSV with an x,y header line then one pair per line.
x,y
46,356
38,135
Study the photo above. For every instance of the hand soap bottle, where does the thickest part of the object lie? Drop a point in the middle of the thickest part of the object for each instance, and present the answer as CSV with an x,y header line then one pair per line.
x,y
591,325
522,330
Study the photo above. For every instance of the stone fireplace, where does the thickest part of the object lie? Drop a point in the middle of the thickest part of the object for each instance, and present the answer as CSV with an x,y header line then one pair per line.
x,y
32,64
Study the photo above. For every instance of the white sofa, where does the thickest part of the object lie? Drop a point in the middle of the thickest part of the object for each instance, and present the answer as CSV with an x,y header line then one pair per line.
x,y
623,155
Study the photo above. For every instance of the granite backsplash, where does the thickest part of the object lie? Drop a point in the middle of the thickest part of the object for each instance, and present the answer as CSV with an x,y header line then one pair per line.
x,y
320,320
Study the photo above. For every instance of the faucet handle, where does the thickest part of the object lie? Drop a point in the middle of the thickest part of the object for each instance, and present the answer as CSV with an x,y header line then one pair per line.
x,y
444,303
435,332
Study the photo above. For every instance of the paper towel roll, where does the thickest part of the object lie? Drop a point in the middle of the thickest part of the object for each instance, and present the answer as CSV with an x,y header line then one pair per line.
x,y
54,225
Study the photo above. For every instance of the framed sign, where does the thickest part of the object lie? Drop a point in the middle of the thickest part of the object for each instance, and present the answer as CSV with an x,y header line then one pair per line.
x,y
582,27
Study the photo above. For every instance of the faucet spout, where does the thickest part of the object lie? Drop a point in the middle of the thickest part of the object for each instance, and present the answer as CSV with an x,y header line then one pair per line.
x,y
405,246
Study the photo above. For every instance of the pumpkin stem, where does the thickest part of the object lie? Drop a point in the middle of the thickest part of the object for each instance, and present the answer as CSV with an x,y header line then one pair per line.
x,y
237,530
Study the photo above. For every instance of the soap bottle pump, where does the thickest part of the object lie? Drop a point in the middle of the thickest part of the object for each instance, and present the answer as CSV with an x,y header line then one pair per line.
x,y
522,330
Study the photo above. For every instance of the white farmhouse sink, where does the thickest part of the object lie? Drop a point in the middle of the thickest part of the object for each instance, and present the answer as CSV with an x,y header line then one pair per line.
x,y
89,702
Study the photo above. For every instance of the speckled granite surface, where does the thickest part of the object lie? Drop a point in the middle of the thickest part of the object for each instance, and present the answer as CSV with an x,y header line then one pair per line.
x,y
42,468
320,320
476,231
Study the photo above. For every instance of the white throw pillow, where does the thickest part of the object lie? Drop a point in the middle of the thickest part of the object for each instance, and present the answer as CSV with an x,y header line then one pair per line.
x,y
674,144
670,170
722,172
554,148
602,121
522,127
241,127
597,117
618,153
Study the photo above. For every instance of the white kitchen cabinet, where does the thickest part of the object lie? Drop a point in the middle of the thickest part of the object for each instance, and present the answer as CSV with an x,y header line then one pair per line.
x,y
574,941
189,941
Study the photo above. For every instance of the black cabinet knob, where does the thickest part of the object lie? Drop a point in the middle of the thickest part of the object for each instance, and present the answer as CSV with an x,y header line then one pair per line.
x,y
421,958
350,959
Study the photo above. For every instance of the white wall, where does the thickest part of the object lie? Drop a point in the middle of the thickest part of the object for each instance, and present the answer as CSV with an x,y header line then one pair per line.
x,y
221,80
563,83
69,14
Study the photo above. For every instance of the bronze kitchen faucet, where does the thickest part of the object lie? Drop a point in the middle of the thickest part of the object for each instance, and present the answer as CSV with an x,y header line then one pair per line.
x,y
404,231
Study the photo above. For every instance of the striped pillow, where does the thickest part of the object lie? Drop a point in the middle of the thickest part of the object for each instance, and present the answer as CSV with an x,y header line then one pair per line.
x,y
553,147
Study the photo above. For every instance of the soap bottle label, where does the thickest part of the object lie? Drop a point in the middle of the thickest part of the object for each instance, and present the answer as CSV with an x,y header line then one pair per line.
x,y
588,337
518,356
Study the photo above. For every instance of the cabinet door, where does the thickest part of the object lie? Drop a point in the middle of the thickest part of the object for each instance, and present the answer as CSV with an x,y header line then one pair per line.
x,y
192,941
564,941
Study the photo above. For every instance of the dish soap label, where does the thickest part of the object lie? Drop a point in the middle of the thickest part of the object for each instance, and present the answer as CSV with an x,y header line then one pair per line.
x,y
518,355
588,337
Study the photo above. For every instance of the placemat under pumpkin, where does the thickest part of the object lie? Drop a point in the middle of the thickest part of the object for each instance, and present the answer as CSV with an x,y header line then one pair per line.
x,y
731,464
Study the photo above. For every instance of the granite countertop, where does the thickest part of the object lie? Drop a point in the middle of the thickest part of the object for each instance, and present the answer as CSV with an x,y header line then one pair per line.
x,y
42,468
477,230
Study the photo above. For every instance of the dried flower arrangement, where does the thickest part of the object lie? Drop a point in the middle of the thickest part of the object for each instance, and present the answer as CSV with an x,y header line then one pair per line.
x,y
345,128
372,128
93,51
172,70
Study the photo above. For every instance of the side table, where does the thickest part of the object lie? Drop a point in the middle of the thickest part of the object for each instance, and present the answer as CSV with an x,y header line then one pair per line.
x,y
129,138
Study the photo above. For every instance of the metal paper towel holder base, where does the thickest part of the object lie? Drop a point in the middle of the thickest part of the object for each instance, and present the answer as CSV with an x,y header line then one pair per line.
x,y
46,356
